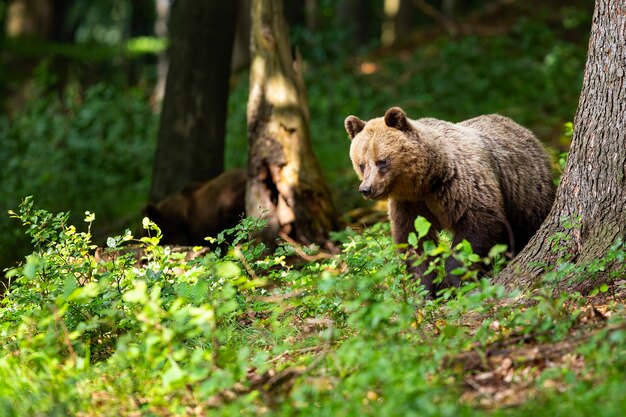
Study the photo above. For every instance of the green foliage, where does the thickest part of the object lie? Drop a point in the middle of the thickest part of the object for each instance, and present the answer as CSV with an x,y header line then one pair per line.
x,y
89,150
138,328
435,255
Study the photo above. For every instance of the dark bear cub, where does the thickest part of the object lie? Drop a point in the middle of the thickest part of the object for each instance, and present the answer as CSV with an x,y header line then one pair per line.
x,y
201,210
486,179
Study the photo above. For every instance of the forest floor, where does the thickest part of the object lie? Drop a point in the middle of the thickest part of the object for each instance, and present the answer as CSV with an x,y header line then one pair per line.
x,y
506,372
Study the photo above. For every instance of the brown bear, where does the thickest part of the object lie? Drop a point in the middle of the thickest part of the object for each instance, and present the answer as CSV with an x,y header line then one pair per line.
x,y
201,210
486,179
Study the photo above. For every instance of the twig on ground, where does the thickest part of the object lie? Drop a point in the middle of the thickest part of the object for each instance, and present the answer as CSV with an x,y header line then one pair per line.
x,y
244,262
480,390
301,253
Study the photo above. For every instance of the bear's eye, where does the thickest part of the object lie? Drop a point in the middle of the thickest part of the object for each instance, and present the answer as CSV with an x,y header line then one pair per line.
x,y
362,167
381,163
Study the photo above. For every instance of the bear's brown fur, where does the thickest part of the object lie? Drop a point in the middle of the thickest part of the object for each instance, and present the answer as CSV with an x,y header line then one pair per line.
x,y
487,179
201,210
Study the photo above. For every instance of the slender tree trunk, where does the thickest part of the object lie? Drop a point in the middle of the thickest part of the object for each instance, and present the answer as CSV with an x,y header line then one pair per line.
x,y
285,184
398,21
162,8
62,31
29,18
295,12
42,19
190,146
3,86
141,23
589,213
357,16
241,47
142,17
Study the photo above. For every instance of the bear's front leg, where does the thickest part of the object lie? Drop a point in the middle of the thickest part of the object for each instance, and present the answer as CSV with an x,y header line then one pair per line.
x,y
483,231
402,215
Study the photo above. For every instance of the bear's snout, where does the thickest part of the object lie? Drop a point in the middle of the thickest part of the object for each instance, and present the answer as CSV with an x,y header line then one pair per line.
x,y
365,190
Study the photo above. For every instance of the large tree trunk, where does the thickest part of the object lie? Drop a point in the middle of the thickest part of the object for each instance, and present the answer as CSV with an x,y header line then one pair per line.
x,y
589,213
190,146
285,184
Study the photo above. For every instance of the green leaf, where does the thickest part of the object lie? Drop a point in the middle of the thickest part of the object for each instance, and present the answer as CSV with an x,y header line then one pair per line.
x,y
228,270
137,294
69,286
83,294
498,249
33,265
89,217
464,247
472,257
458,271
412,239
146,223
422,226
173,374
429,247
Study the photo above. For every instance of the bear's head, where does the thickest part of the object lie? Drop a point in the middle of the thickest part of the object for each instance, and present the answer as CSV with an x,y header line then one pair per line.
x,y
383,152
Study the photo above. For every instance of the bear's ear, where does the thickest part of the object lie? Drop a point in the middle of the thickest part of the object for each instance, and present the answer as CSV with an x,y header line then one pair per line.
x,y
353,126
396,118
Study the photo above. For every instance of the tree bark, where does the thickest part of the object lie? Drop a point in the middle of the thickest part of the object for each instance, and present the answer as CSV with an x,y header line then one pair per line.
x,y
589,212
190,145
285,184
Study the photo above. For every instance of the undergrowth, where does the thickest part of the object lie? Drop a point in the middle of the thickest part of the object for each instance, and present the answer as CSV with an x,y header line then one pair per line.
x,y
90,149
140,329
